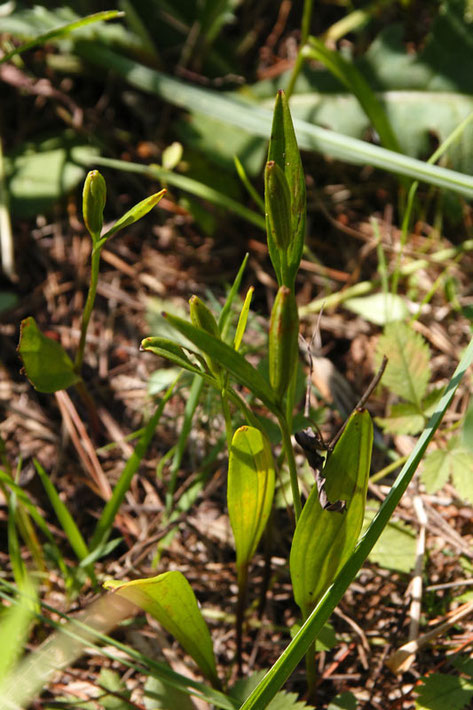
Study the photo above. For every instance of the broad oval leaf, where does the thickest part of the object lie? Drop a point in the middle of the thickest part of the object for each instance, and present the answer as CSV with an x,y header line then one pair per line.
x,y
170,600
250,490
46,363
323,539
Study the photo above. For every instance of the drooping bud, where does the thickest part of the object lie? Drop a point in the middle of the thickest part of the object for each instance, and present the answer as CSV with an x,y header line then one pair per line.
x,y
283,340
203,318
94,196
278,205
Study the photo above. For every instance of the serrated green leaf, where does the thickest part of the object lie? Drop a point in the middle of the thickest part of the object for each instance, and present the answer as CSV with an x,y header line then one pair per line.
x,y
462,473
435,470
408,370
379,308
232,361
439,691
404,418
396,547
170,600
323,539
158,695
467,431
250,490
47,365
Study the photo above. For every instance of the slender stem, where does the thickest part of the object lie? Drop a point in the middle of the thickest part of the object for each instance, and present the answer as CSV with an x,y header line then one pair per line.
x,y
289,452
227,417
240,611
311,673
89,305
305,29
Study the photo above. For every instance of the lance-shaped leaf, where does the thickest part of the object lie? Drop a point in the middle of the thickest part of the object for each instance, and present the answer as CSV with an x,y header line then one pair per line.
x,y
231,360
46,363
323,539
203,318
284,151
250,490
133,215
170,600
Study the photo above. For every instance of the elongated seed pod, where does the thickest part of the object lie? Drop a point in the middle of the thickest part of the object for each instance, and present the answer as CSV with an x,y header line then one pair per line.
x,y
278,204
283,340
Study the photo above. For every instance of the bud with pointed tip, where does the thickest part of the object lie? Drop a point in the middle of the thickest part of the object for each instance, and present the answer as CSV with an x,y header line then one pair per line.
x,y
203,318
278,205
94,196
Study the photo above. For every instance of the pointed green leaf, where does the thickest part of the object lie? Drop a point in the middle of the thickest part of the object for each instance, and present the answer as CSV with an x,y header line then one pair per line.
x,y
408,370
137,212
323,540
46,363
224,318
232,361
283,149
66,520
243,319
250,490
170,600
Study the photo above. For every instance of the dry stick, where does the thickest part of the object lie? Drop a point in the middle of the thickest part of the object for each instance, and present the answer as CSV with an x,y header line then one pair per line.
x,y
361,403
82,444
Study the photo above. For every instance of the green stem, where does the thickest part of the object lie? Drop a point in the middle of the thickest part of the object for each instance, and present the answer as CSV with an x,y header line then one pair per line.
x,y
289,452
227,417
305,29
89,305
240,611
311,673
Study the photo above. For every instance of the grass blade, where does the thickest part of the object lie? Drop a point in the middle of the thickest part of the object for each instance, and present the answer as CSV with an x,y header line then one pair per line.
x,y
61,31
257,121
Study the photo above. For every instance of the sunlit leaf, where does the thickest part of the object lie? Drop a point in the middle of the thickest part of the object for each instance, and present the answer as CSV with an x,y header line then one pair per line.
x,y
170,600
324,539
250,489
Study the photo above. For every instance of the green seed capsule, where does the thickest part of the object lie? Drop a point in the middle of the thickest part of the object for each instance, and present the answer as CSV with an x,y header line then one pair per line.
x,y
94,196
203,318
278,204
283,340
